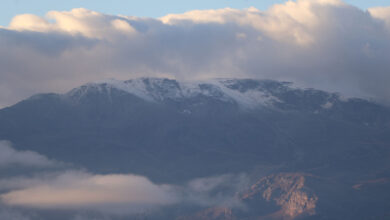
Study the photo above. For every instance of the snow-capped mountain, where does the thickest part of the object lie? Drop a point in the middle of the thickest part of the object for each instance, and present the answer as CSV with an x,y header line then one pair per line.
x,y
246,93
173,131
160,89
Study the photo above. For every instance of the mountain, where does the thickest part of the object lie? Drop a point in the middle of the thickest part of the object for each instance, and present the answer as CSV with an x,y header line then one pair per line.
x,y
310,153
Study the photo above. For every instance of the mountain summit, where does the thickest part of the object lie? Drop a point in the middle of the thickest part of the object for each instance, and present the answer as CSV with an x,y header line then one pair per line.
x,y
245,93
173,131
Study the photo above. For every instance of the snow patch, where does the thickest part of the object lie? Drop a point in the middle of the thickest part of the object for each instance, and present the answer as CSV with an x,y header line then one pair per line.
x,y
157,90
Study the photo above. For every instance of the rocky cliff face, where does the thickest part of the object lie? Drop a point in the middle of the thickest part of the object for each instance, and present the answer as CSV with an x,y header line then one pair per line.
x,y
286,190
286,193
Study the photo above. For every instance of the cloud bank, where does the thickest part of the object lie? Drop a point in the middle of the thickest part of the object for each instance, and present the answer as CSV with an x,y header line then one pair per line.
x,y
11,157
117,194
80,190
325,44
76,190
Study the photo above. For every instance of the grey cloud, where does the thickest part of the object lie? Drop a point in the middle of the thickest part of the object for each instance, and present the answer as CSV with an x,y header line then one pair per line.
x,y
49,44
12,157
216,191
324,44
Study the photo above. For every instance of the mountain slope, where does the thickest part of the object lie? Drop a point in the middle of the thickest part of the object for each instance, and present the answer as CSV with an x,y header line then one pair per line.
x,y
145,123
172,132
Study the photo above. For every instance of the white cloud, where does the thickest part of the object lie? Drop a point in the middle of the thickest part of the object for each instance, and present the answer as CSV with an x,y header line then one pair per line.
x,y
12,157
290,22
117,194
77,21
29,22
381,13
326,44
80,190
77,190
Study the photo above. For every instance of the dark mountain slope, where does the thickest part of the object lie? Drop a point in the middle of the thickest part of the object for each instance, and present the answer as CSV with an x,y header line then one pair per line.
x,y
107,128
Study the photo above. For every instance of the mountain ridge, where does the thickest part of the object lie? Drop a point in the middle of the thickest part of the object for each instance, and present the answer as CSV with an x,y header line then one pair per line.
x,y
247,93
173,135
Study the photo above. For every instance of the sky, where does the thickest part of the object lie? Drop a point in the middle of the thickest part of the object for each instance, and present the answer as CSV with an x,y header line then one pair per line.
x,y
145,8
330,45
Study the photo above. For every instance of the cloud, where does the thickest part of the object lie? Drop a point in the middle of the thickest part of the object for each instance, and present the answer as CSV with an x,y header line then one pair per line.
x,y
62,188
80,190
11,157
325,44
381,13
217,190
78,21
117,194
290,22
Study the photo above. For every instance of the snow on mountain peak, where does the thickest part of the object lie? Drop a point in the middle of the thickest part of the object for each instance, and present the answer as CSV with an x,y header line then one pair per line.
x,y
161,89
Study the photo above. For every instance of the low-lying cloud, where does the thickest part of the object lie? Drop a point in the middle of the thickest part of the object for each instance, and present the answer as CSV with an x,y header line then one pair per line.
x,y
80,190
11,157
119,194
325,44
62,187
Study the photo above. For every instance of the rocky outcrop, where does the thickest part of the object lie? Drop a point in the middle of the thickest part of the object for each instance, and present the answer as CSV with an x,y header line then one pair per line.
x,y
286,190
282,196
